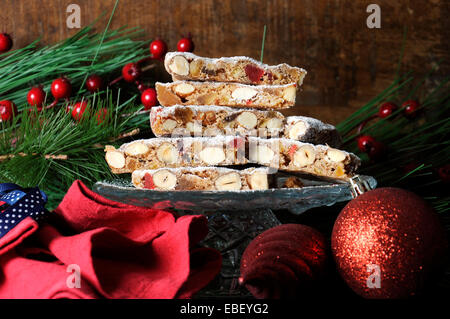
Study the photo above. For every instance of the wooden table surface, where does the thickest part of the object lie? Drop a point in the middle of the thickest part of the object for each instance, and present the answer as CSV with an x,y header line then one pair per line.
x,y
347,62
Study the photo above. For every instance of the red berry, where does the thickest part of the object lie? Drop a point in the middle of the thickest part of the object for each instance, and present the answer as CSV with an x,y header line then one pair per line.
x,y
376,151
444,173
148,98
94,83
158,48
61,88
101,115
5,43
131,72
78,110
410,108
185,45
410,167
386,109
7,110
141,86
69,109
36,97
365,143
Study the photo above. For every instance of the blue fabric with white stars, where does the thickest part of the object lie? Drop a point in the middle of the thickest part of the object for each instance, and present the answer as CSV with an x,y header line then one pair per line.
x,y
17,203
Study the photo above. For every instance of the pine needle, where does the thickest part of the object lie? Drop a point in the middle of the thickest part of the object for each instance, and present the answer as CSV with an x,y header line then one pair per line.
x,y
263,42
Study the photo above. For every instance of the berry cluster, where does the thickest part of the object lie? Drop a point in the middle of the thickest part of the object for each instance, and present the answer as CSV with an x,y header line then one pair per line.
x,y
369,144
132,72
61,88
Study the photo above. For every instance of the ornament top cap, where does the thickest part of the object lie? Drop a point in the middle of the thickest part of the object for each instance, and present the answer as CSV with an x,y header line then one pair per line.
x,y
359,186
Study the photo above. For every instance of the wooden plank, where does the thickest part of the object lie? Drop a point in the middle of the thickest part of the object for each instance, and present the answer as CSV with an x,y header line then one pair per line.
x,y
347,62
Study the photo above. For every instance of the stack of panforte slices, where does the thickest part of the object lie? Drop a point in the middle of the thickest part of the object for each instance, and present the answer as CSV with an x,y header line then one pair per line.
x,y
222,112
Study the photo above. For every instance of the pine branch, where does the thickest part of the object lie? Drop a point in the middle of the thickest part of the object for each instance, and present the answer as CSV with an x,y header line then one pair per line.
x,y
50,150
423,141
74,57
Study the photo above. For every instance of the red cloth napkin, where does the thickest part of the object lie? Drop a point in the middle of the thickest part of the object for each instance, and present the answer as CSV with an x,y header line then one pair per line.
x,y
122,251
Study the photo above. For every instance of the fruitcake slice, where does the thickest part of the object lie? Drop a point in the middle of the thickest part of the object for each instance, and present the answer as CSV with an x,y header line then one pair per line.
x,y
176,152
220,120
202,178
226,94
214,120
239,69
290,155
310,130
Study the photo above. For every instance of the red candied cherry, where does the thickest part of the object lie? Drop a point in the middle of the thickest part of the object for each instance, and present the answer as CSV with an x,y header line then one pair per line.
x,y
94,83
78,110
7,110
101,115
237,142
158,48
292,151
5,43
254,73
185,44
61,88
148,98
386,109
148,181
36,97
131,72
365,143
410,108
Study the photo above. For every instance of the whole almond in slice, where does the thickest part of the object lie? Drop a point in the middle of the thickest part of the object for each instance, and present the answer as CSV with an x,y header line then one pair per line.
x,y
194,127
247,120
243,93
115,159
305,155
164,179
179,65
212,155
184,89
136,148
297,130
274,124
258,181
336,155
227,182
263,154
290,93
169,125
195,67
167,153
212,131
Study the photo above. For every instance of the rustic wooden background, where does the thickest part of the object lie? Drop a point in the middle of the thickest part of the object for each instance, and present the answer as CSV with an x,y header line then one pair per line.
x,y
347,62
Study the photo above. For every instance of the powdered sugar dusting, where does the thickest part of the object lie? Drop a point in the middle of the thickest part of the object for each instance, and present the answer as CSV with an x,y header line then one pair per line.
x,y
185,141
309,122
184,170
165,111
288,142
231,60
198,84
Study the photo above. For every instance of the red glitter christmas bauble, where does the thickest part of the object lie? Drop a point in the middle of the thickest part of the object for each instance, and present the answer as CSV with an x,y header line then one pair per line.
x,y
388,243
283,261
